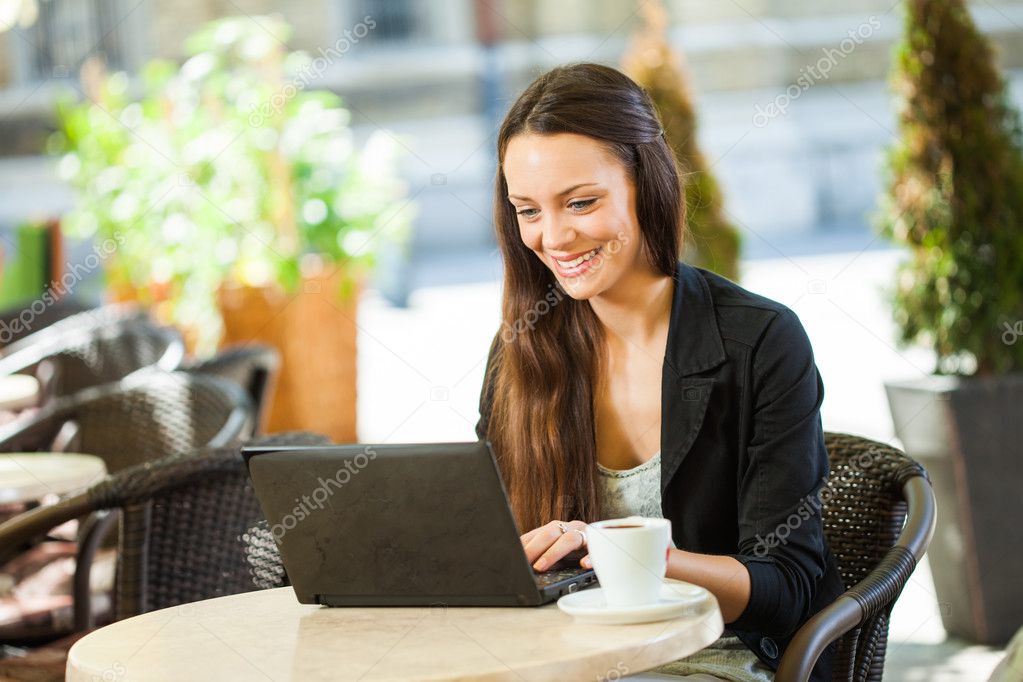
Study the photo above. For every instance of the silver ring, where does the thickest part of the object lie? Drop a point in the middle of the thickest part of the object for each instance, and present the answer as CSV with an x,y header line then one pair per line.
x,y
582,535
562,527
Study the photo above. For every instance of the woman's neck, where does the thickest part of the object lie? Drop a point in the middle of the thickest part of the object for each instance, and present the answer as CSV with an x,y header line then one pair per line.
x,y
637,309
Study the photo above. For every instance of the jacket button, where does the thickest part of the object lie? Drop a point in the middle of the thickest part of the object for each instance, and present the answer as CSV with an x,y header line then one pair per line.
x,y
769,647
691,394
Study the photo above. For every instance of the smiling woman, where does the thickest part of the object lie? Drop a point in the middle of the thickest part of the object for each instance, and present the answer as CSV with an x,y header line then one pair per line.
x,y
651,386
574,229
574,182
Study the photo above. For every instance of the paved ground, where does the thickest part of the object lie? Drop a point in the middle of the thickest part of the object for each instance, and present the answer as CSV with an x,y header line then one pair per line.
x,y
421,369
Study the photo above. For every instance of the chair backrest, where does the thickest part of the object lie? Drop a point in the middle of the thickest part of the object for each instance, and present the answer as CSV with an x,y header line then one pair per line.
x,y
200,507
53,323
252,366
141,418
863,512
85,355
18,323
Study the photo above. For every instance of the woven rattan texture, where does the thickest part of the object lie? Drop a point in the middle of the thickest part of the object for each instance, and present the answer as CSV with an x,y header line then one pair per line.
x,y
864,513
84,356
137,420
194,530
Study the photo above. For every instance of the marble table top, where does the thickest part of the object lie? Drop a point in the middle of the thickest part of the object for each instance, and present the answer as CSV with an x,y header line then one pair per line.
x,y
269,635
29,476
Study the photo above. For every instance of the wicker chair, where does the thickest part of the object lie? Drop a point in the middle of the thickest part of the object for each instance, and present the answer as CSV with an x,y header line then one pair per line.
x,y
82,353
17,323
252,366
192,530
196,530
879,517
140,418
66,316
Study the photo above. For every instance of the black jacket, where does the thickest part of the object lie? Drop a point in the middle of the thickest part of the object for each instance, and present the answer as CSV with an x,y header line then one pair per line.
x,y
742,452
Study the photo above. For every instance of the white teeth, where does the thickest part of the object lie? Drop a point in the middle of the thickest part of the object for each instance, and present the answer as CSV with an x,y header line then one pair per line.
x,y
579,260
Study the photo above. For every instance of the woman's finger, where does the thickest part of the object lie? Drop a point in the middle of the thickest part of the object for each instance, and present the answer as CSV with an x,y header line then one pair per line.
x,y
551,529
526,537
541,541
564,544
585,562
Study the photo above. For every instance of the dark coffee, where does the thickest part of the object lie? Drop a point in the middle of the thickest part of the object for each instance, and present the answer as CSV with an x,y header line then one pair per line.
x,y
625,525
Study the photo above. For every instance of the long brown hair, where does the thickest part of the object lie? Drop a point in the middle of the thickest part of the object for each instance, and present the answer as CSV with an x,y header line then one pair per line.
x,y
541,424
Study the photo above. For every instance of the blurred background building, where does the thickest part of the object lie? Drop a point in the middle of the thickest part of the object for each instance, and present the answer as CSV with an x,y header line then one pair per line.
x,y
798,167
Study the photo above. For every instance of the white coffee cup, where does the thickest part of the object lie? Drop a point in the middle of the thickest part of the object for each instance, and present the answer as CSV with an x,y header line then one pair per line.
x,y
630,558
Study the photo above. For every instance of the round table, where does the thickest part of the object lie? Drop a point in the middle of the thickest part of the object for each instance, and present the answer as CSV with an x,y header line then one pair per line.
x,y
28,476
18,391
269,635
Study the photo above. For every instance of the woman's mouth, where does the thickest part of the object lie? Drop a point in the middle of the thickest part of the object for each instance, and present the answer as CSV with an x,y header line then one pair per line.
x,y
577,265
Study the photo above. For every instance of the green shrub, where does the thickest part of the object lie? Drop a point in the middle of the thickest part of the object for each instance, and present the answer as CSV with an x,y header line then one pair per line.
x,y
955,195
230,168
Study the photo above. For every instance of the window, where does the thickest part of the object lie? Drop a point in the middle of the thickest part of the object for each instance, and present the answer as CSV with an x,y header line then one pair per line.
x,y
400,23
397,21
67,32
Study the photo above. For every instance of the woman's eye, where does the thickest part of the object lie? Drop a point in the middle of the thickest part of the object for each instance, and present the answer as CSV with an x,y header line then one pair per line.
x,y
527,212
581,204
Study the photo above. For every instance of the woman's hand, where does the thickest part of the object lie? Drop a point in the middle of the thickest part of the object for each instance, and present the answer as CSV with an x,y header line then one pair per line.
x,y
549,544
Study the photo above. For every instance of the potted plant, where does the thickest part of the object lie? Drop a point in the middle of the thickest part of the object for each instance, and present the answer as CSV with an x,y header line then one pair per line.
x,y
712,242
955,199
243,208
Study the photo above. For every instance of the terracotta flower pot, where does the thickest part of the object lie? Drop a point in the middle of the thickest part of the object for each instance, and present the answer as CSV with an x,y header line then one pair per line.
x,y
314,329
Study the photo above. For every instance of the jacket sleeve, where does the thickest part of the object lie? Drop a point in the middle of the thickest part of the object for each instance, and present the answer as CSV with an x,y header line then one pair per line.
x,y
487,392
781,537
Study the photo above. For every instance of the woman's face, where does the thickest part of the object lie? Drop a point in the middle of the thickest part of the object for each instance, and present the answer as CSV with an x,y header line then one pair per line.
x,y
576,210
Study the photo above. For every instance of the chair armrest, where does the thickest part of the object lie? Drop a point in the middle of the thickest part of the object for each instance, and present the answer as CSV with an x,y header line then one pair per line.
x,y
846,613
90,538
14,533
880,588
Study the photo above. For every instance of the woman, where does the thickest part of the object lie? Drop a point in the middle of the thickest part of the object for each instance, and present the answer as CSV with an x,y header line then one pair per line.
x,y
624,381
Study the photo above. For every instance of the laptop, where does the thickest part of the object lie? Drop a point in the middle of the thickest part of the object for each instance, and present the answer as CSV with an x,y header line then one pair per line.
x,y
399,525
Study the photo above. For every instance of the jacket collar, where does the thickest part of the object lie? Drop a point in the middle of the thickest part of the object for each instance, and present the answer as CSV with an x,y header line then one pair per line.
x,y
694,340
694,345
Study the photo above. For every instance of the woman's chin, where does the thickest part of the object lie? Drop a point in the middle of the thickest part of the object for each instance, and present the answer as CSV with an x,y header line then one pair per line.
x,y
579,288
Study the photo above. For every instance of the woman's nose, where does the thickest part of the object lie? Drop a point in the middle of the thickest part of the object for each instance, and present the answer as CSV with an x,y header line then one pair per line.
x,y
558,235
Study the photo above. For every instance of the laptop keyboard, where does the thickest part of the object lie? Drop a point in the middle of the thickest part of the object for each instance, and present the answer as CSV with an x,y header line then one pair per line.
x,y
550,577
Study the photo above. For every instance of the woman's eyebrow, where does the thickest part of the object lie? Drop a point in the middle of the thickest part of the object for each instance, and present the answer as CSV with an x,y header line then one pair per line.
x,y
560,194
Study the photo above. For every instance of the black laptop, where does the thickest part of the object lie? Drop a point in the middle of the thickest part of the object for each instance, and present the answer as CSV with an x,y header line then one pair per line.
x,y
399,525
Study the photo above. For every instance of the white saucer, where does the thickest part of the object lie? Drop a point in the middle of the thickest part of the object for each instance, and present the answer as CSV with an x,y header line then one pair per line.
x,y
675,600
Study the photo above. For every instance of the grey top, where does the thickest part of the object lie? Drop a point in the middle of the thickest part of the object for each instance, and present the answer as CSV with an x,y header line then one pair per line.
x,y
630,492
